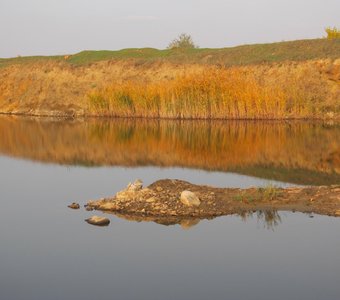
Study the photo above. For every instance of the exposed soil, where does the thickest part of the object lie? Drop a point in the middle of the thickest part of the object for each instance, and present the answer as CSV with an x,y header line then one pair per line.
x,y
160,202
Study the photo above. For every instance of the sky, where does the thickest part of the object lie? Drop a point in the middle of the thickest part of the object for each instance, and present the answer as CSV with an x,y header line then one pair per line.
x,y
47,27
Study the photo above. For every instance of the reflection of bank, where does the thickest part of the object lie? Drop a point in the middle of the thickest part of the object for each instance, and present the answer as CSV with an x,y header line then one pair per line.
x,y
297,152
270,219
185,223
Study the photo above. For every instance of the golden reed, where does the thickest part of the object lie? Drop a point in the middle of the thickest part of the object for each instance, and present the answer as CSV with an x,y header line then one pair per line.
x,y
205,94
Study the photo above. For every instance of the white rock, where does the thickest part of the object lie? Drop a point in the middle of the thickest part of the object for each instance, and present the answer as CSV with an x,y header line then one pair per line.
x,y
190,199
131,191
136,186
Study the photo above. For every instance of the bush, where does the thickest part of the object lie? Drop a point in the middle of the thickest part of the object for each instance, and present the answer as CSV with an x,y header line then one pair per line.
x,y
332,33
184,41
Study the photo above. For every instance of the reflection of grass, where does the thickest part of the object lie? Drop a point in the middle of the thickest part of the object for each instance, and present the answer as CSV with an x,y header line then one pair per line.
x,y
270,218
272,150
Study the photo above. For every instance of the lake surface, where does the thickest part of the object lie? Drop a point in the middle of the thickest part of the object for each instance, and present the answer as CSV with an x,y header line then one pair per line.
x,y
48,252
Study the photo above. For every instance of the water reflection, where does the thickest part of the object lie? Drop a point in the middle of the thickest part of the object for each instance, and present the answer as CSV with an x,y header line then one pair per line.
x,y
269,218
297,152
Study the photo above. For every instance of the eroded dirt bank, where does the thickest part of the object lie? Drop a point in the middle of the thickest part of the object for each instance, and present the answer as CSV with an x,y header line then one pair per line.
x,y
164,201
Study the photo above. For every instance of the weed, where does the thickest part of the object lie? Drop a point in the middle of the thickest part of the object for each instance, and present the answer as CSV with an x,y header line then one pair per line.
x,y
332,33
269,192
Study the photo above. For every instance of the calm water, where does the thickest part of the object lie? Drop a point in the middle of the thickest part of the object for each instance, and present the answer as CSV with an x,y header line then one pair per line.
x,y
48,252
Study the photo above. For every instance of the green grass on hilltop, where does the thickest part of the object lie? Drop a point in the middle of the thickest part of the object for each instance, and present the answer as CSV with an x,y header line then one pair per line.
x,y
28,59
241,55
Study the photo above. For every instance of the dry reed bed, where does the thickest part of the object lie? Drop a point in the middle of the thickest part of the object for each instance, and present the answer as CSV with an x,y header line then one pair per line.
x,y
131,88
207,94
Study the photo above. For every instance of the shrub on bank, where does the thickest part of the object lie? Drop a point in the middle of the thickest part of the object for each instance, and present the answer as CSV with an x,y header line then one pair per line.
x,y
332,33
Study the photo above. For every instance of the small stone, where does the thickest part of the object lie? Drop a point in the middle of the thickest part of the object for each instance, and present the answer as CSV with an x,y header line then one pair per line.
x,y
98,221
74,205
151,200
190,199
159,189
89,208
108,206
136,186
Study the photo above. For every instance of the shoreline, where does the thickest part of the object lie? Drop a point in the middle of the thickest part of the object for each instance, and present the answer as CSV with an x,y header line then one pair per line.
x,y
63,116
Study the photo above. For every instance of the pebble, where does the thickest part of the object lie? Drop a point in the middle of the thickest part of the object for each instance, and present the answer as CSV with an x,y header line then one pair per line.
x,y
74,205
98,221
150,200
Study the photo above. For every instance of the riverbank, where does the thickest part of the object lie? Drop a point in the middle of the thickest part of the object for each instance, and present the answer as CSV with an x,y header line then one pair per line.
x,y
174,201
199,84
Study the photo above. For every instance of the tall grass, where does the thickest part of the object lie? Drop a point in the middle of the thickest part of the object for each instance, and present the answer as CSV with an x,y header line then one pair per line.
x,y
210,94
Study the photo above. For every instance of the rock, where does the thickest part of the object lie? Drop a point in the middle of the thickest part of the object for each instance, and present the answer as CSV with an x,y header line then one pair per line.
x,y
108,206
124,195
159,189
136,186
98,221
151,200
74,205
131,191
89,208
93,203
190,199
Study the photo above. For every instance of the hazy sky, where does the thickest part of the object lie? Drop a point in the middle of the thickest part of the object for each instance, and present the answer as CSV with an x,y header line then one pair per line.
x,y
32,27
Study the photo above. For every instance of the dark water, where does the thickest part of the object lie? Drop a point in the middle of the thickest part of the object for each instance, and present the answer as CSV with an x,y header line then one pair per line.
x,y
48,252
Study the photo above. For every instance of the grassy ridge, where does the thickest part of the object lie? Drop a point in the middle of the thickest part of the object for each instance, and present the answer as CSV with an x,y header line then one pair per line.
x,y
241,55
